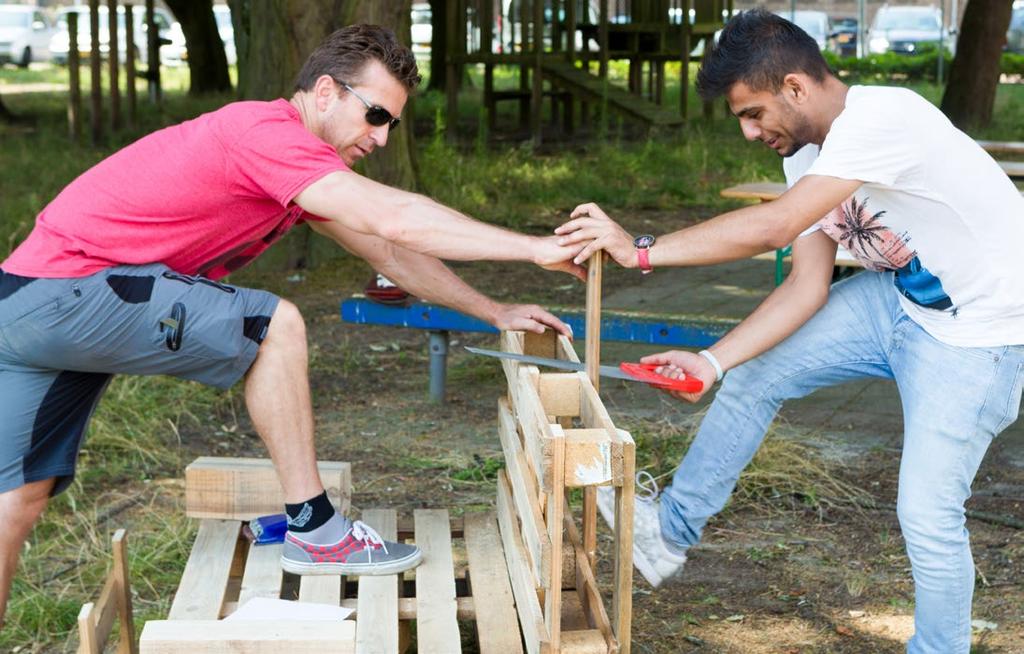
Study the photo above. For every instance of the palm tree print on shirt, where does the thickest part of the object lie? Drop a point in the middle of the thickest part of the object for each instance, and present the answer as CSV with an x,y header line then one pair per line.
x,y
878,248
862,233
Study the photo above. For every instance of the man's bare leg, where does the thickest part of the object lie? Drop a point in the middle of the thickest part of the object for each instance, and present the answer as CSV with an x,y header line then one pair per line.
x,y
277,396
19,510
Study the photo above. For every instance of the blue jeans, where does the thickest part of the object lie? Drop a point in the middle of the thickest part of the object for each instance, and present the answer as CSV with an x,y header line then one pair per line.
x,y
955,401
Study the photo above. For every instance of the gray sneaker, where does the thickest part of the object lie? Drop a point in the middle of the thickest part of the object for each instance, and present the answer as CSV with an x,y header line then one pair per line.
x,y
651,555
361,551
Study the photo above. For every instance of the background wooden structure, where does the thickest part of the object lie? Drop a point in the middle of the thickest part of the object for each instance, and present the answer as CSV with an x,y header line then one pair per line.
x,y
567,44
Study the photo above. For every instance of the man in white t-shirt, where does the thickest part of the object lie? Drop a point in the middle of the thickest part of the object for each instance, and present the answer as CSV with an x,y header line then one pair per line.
x,y
940,229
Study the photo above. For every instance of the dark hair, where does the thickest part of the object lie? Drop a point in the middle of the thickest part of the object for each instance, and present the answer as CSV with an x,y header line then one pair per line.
x,y
758,48
345,53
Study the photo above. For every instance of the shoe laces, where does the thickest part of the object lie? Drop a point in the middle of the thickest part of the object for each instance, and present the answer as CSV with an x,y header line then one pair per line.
x,y
366,534
647,487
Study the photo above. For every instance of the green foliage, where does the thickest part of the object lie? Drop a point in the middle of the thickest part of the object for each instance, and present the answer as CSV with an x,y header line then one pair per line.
x,y
891,67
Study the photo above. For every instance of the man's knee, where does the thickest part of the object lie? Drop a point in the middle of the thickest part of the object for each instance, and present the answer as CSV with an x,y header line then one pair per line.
x,y
930,525
22,506
287,327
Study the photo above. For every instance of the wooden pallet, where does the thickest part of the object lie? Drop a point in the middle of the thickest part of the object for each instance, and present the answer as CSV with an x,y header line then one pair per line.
x,y
556,435
462,557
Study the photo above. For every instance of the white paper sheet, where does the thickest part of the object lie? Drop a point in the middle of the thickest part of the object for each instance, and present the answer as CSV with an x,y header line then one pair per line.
x,y
265,608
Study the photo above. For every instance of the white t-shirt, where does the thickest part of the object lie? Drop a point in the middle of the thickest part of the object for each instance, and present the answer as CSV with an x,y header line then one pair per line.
x,y
934,207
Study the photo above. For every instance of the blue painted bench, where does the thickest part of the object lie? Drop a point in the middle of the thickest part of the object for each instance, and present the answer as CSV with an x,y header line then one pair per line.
x,y
624,326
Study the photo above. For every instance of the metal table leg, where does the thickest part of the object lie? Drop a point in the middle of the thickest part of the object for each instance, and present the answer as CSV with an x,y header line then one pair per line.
x,y
438,364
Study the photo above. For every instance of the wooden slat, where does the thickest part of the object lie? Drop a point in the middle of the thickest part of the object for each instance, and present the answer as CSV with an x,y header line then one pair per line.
x,y
377,604
88,643
531,620
1013,169
122,583
586,641
593,415
204,581
622,594
587,591
263,574
565,350
465,608
524,495
553,519
105,610
320,589
246,488
247,637
534,426
763,191
588,457
497,625
437,629
1002,147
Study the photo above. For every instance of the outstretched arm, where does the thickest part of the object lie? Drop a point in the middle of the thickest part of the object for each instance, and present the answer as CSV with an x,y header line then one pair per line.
x,y
427,277
417,223
731,236
784,311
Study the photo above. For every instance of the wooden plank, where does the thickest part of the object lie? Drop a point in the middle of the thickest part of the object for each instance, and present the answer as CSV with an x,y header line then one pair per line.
x,y
524,496
320,589
263,574
497,625
465,608
247,637
565,350
204,582
119,544
588,457
622,593
553,519
437,629
587,590
105,610
377,604
593,318
540,345
534,426
1013,169
246,488
762,191
1002,147
560,393
531,620
88,643
593,415
586,641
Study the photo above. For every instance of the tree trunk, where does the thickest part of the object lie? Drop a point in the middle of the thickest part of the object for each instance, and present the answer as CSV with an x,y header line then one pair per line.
x,y
5,114
438,44
207,63
974,76
273,38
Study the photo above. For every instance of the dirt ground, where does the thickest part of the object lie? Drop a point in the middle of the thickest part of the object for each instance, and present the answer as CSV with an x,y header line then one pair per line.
x,y
773,575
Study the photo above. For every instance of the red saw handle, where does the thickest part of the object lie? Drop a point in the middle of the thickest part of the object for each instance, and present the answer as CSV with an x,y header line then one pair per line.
x,y
645,372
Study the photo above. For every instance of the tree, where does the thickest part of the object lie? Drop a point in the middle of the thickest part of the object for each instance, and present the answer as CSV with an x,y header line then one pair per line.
x,y
207,63
273,38
438,43
974,76
5,114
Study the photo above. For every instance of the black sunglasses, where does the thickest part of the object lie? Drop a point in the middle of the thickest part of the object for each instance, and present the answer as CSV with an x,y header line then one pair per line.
x,y
376,115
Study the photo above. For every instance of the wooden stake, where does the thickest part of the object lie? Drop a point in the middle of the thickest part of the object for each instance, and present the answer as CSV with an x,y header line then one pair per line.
x,y
113,66
129,63
96,92
74,82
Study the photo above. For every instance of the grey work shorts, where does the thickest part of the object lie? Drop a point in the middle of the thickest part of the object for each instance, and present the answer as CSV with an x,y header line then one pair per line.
x,y
61,341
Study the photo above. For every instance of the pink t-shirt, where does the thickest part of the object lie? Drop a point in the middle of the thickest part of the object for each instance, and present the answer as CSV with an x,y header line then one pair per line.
x,y
203,197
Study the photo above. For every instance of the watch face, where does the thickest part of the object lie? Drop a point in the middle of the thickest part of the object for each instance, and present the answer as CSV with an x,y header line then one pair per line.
x,y
643,241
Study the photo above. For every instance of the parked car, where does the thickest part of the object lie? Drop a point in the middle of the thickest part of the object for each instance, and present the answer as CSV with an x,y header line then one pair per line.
x,y
226,29
907,30
1015,35
24,35
422,28
815,23
164,23
843,39
175,53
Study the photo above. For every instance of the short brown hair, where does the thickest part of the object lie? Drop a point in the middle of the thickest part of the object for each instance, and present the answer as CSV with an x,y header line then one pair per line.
x,y
345,53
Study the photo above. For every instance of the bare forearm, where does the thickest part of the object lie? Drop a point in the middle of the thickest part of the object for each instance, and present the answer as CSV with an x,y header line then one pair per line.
x,y
731,236
427,277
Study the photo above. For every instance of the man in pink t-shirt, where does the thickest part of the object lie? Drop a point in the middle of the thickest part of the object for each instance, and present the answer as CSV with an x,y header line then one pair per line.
x,y
120,275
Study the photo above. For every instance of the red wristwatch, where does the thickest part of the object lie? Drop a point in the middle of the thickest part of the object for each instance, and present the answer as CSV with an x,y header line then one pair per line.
x,y
643,245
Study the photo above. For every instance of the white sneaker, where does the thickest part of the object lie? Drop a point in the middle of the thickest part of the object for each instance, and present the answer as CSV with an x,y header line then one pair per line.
x,y
651,555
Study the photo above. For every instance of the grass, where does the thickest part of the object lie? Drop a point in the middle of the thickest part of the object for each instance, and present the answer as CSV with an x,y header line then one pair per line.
x,y
134,455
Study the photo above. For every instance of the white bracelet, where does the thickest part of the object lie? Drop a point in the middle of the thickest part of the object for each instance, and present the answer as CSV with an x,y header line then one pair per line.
x,y
714,364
